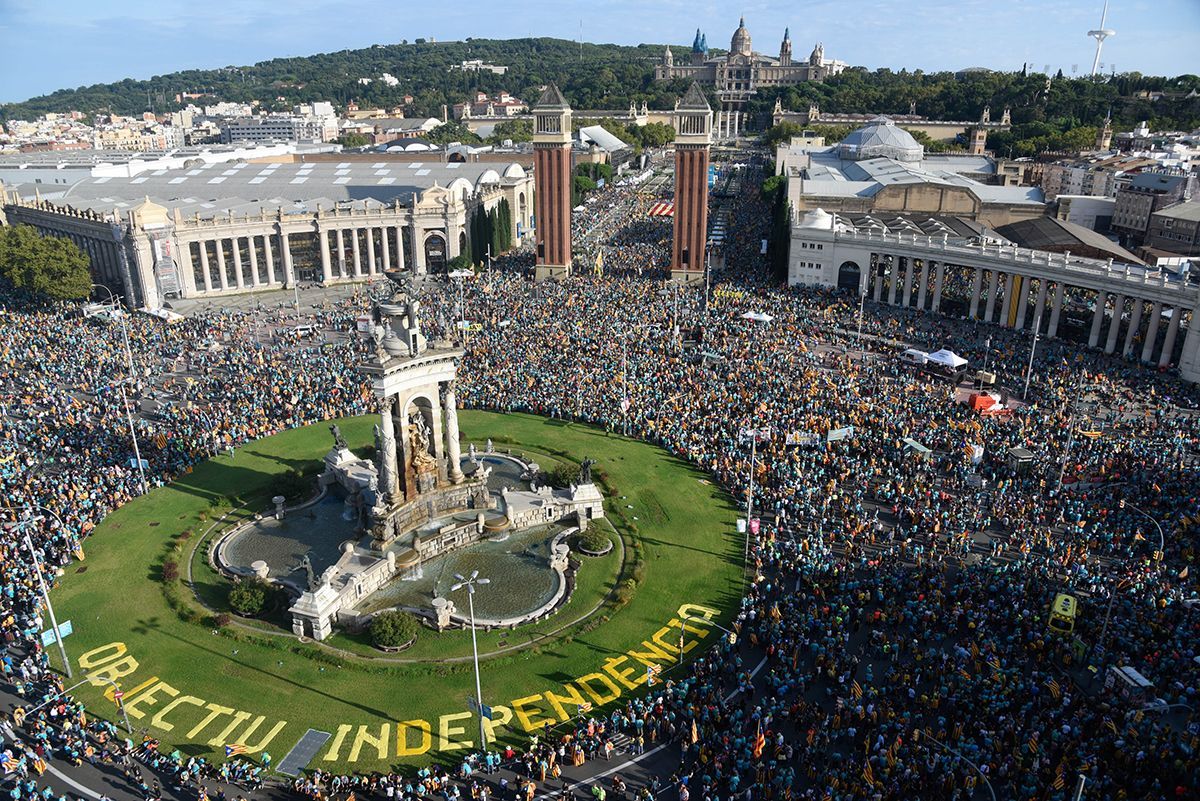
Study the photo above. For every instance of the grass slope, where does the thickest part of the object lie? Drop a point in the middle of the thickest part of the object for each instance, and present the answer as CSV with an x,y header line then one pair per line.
x,y
188,672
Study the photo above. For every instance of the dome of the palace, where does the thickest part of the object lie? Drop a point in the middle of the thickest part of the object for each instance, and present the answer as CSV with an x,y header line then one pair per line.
x,y
880,138
741,39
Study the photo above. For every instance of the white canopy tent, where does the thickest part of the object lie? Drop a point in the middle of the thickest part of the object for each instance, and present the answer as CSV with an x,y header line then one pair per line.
x,y
947,358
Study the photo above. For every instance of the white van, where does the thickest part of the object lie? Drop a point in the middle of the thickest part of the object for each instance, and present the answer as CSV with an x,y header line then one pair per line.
x,y
914,356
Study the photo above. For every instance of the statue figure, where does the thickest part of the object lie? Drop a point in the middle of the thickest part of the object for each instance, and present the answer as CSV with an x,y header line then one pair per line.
x,y
418,438
490,448
472,453
585,470
378,333
339,442
306,563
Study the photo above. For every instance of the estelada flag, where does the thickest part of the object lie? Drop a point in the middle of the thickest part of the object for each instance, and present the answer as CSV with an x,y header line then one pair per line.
x,y
759,742
695,733
235,749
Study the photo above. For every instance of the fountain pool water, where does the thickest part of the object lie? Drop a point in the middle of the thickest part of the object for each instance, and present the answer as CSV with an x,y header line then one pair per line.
x,y
317,530
518,566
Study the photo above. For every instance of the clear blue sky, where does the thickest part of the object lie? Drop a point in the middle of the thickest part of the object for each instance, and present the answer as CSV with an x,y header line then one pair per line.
x,y
52,44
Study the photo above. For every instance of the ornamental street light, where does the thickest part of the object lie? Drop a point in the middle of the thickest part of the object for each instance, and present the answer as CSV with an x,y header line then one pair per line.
x,y
470,583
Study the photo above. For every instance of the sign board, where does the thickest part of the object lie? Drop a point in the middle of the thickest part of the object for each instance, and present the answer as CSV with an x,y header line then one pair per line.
x,y
838,434
134,463
754,526
64,629
473,705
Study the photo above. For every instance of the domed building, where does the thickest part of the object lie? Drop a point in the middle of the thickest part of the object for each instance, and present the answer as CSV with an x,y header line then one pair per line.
x,y
880,138
739,73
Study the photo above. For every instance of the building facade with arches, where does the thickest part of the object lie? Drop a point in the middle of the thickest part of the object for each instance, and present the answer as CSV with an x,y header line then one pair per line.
x,y
959,267
222,229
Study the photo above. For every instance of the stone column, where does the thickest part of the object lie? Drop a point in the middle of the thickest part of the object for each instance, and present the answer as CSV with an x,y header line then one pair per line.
x,y
1114,326
187,268
1039,307
877,279
237,262
993,288
1010,285
253,260
1152,330
286,250
893,282
270,257
1023,301
326,273
389,474
372,269
418,258
1135,322
1097,319
387,250
908,282
204,267
976,287
453,452
355,252
1168,349
399,229
1060,289
923,284
221,264
939,278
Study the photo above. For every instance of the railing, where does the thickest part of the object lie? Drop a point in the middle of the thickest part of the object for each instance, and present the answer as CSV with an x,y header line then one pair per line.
x,y
1015,255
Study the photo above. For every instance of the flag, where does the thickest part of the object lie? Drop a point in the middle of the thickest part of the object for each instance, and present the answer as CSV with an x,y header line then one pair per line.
x,y
161,441
868,774
236,749
11,765
964,673
1183,573
994,663
1033,743
760,742
695,732
856,690
585,707
1111,726
1054,689
39,765
1059,777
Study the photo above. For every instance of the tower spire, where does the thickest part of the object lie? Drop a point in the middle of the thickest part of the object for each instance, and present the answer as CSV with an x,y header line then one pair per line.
x,y
1100,34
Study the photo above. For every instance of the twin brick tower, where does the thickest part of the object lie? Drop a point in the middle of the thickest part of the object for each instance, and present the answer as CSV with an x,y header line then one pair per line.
x,y
553,181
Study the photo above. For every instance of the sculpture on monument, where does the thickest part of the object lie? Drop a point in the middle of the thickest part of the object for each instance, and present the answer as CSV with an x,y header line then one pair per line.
x,y
339,442
585,470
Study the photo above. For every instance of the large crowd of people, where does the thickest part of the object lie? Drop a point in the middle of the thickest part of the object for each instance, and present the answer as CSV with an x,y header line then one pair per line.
x,y
893,640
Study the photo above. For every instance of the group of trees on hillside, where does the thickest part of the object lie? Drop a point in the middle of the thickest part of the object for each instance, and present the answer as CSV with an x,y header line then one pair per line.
x,y
610,77
489,229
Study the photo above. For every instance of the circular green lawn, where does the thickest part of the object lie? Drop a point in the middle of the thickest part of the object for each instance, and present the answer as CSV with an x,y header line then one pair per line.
x,y
199,682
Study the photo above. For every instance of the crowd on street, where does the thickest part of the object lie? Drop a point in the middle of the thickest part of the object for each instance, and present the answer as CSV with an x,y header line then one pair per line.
x,y
897,596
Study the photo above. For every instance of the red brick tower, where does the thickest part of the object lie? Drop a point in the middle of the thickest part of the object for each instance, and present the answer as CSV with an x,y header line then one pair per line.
x,y
552,184
693,135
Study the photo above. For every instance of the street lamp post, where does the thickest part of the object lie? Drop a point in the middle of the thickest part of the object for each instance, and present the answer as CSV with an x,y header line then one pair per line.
x,y
1037,326
624,389
116,689
862,353
24,526
1112,593
129,369
982,775
470,583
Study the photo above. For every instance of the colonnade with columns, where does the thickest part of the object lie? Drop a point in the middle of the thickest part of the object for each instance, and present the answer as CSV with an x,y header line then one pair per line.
x,y
1122,323
728,121
251,260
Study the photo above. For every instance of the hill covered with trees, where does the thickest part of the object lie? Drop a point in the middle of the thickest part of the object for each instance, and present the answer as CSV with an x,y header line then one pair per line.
x,y
609,77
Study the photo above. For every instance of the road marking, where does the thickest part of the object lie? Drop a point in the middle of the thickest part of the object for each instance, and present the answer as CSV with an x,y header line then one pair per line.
x,y
90,793
640,757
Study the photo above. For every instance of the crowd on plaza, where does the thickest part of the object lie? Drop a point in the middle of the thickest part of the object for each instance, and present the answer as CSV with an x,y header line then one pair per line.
x,y
893,640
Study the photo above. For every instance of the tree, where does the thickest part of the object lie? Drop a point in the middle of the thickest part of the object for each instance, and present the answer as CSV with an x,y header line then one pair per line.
x,y
249,597
392,629
453,131
353,140
516,130
48,267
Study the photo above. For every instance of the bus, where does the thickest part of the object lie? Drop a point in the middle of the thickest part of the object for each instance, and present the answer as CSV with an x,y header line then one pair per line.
x,y
1062,614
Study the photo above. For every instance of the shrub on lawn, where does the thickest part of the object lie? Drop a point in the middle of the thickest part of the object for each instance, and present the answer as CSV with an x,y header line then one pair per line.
x,y
170,570
392,629
249,597
593,540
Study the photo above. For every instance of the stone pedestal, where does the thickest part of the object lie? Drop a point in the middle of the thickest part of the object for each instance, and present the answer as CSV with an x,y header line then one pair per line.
x,y
443,608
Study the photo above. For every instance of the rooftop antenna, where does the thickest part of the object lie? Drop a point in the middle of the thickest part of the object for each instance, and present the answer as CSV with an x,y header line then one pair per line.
x,y
1100,34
